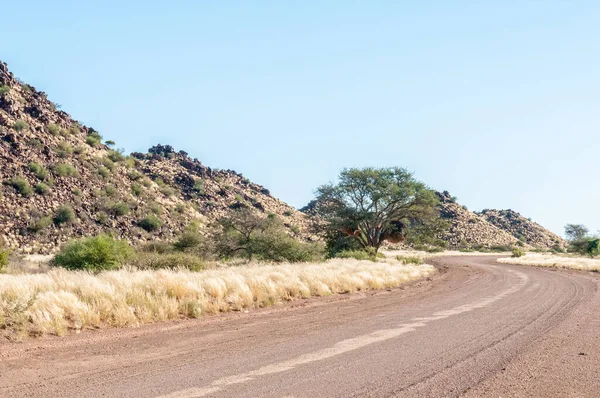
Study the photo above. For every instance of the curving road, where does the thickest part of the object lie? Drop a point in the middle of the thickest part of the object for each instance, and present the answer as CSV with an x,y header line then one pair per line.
x,y
477,329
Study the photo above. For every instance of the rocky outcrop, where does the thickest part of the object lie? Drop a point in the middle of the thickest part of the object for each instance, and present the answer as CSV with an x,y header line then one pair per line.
x,y
469,230
50,163
523,229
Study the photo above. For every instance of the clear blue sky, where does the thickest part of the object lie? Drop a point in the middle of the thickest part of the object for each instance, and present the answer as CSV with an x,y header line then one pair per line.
x,y
497,102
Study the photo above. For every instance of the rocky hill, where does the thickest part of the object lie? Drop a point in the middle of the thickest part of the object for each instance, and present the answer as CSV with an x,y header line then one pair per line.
x,y
60,180
493,228
523,229
469,230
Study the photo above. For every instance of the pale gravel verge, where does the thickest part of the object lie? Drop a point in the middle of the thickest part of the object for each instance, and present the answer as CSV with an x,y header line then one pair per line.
x,y
550,260
425,255
61,301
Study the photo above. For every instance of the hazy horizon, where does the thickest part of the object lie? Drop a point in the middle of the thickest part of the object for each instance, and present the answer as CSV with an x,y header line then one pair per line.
x,y
498,104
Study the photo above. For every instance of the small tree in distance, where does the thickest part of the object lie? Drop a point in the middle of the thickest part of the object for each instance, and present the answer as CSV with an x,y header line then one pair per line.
x,y
244,233
581,241
371,205
575,232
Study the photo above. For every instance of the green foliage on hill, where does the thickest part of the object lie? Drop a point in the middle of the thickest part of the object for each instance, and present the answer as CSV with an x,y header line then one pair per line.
x,y
97,253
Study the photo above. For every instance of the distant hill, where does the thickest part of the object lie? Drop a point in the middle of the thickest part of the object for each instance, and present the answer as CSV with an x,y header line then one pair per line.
x,y
50,163
522,228
469,230
493,228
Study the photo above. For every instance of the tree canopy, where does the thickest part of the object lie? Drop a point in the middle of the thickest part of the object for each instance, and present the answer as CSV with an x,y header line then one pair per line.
x,y
371,205
576,232
244,233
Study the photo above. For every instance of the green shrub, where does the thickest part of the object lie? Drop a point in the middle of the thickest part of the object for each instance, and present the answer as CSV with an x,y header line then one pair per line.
x,y
199,186
38,224
76,191
129,161
156,260
518,252
4,89
156,247
281,247
4,253
53,129
64,214
79,150
356,254
167,191
110,190
136,189
64,150
39,171
21,185
98,253
189,239
93,139
410,260
116,156
156,208
42,188
501,248
74,129
102,217
109,143
245,233
103,171
35,143
20,125
135,175
118,209
64,170
287,213
593,248
109,164
150,223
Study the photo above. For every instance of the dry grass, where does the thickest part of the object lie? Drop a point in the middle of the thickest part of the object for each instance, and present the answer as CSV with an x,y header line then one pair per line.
x,y
550,260
425,255
61,301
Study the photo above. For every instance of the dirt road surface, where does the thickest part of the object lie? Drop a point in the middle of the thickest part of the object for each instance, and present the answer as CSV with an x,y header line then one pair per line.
x,y
478,329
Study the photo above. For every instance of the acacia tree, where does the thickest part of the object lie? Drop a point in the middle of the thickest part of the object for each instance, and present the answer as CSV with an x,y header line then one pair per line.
x,y
237,232
371,205
245,233
576,232
581,241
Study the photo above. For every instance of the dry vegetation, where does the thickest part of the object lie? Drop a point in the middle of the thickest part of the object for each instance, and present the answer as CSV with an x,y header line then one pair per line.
x,y
552,260
424,255
61,301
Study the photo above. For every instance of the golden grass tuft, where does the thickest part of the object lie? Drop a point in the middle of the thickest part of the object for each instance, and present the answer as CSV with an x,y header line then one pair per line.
x,y
61,301
551,260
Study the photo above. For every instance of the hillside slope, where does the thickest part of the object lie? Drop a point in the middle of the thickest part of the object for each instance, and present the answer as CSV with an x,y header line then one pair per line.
x,y
469,230
525,230
59,181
